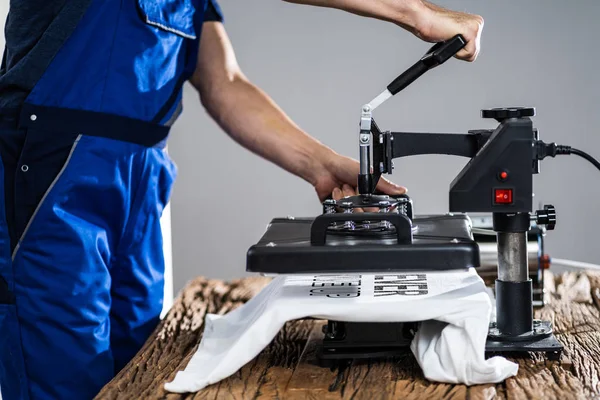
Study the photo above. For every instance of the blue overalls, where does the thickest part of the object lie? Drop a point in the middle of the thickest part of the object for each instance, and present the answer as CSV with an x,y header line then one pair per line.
x,y
81,284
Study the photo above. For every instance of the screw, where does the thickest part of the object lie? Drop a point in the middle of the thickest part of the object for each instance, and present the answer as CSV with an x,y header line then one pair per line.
x,y
366,109
364,138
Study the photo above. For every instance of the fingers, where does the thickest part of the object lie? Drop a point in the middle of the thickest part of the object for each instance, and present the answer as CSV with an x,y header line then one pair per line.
x,y
350,191
383,186
337,194
390,188
470,52
437,24
473,28
345,191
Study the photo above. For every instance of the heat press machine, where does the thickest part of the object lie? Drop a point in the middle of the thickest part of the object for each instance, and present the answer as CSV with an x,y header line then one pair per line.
x,y
387,237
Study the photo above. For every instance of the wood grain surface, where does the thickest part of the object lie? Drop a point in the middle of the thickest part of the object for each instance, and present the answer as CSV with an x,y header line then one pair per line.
x,y
285,369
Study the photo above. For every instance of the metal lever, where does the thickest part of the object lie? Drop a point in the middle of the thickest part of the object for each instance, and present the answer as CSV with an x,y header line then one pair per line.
x,y
438,54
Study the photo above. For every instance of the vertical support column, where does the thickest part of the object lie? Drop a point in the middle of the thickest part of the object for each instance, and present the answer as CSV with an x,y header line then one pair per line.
x,y
514,293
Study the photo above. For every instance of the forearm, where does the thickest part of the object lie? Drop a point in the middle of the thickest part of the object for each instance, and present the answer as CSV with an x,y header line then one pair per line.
x,y
425,20
254,121
406,13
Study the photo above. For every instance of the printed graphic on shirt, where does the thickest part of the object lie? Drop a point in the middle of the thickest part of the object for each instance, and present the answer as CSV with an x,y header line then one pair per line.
x,y
346,286
336,286
400,285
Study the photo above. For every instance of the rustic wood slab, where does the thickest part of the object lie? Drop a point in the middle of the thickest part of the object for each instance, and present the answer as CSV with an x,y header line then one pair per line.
x,y
284,370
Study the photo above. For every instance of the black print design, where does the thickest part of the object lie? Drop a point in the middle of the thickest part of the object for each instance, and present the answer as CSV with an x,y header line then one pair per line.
x,y
401,285
336,286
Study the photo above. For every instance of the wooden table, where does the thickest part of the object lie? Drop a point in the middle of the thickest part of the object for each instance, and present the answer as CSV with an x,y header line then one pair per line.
x,y
283,370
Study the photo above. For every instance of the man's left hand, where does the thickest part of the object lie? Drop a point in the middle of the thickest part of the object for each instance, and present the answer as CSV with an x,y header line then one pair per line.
x,y
338,178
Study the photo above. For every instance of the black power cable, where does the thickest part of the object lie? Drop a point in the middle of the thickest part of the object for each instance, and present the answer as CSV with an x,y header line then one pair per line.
x,y
586,156
544,150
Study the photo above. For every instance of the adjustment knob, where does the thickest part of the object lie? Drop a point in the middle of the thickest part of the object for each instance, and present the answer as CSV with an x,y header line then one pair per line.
x,y
547,217
500,114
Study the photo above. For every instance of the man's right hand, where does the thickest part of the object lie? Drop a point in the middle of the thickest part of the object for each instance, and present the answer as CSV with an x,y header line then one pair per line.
x,y
425,20
437,24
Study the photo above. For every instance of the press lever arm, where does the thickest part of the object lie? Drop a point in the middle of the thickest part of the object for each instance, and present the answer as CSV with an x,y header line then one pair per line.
x,y
438,54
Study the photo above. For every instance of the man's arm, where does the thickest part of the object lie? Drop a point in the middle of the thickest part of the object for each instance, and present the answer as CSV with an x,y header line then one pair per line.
x,y
420,17
246,113
253,120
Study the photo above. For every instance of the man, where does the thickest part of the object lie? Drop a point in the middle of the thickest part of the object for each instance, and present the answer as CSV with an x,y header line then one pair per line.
x,y
88,91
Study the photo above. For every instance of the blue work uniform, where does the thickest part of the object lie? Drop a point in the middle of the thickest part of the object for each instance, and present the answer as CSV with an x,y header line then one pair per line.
x,y
85,177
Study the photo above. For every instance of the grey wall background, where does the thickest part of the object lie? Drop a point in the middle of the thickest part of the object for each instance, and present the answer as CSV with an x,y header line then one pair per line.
x,y
538,53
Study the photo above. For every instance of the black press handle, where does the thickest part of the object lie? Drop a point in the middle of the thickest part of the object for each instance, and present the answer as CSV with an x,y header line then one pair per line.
x,y
318,230
438,54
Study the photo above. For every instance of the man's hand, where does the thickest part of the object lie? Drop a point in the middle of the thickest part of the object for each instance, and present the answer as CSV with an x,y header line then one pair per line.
x,y
437,24
338,177
425,20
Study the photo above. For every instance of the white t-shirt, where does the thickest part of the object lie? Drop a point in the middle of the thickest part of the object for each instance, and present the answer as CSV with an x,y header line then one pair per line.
x,y
449,345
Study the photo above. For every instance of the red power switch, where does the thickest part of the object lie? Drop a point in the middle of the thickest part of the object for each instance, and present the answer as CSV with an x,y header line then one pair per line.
x,y
503,196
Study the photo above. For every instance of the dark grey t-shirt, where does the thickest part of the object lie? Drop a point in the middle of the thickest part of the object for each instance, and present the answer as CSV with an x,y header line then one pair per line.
x,y
35,31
